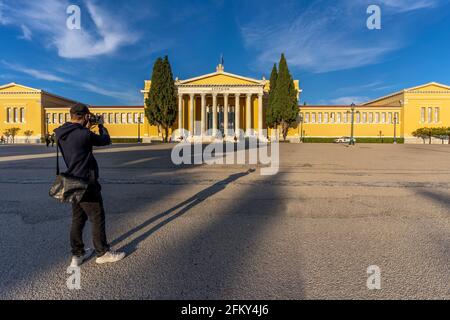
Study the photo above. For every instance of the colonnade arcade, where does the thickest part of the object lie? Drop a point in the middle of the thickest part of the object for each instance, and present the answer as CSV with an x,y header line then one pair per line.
x,y
211,111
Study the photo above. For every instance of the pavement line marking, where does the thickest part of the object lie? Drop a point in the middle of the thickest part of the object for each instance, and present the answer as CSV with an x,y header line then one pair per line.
x,y
138,161
50,155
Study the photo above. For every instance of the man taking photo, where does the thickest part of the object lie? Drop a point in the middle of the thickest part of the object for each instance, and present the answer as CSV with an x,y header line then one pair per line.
x,y
76,142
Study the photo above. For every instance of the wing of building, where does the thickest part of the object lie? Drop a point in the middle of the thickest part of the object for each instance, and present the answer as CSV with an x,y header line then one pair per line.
x,y
223,102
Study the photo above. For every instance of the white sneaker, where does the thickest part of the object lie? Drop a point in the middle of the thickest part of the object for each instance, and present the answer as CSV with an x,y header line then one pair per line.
x,y
78,261
110,257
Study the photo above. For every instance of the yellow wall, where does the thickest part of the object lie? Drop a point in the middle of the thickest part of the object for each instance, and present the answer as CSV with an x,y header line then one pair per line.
x,y
407,104
334,129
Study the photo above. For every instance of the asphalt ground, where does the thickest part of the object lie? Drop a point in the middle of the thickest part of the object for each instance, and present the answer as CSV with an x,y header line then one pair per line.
x,y
224,232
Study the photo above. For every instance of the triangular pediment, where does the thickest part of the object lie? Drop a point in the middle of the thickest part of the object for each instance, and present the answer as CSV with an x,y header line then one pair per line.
x,y
221,78
14,87
430,87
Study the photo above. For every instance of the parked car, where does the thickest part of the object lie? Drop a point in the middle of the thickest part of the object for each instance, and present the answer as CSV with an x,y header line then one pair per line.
x,y
342,140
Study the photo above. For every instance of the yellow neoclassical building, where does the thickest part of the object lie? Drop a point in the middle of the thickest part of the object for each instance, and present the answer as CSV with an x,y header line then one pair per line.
x,y
399,114
222,101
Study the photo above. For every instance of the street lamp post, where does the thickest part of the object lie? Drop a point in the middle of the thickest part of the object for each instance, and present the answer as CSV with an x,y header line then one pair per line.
x,y
301,128
395,128
352,115
139,129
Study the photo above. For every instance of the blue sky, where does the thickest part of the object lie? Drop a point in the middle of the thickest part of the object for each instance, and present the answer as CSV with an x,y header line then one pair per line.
x,y
337,59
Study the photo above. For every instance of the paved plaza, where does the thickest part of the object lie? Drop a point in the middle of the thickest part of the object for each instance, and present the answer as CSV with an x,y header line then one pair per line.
x,y
226,232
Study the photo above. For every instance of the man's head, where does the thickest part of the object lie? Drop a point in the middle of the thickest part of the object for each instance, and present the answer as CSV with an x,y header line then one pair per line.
x,y
79,113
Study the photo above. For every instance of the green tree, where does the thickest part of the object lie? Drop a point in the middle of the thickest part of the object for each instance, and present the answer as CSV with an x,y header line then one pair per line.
x,y
28,134
424,133
271,116
11,132
440,133
161,103
285,98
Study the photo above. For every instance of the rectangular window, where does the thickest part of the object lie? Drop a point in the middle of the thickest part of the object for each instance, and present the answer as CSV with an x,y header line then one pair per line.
x,y
313,117
390,118
319,117
377,117
396,118
371,117
130,118
345,117
22,115
430,115
364,117
325,117
48,118
358,117
142,117
422,115
61,118
55,118
8,115
307,117
136,118
124,118
383,117
437,116
117,118
111,118
16,115
67,117
339,117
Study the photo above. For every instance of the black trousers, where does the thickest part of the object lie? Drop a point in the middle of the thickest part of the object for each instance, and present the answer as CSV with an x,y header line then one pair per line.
x,y
89,208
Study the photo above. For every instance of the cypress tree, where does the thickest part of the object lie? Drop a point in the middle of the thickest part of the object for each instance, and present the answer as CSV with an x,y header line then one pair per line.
x,y
285,98
161,103
271,118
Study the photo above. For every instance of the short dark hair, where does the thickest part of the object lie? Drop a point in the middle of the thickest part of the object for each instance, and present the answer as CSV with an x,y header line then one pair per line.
x,y
79,110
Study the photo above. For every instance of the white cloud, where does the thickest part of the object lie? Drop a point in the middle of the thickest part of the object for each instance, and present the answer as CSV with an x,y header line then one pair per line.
x,y
326,36
125,96
42,75
105,35
410,5
130,97
346,101
26,33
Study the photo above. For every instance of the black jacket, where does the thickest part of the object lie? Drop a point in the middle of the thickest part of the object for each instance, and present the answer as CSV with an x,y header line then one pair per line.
x,y
75,143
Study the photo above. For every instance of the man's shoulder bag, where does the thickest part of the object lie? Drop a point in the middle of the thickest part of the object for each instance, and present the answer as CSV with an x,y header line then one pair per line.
x,y
67,188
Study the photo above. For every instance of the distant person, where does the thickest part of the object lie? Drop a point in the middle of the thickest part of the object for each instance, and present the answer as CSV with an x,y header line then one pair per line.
x,y
52,139
47,139
2,140
76,141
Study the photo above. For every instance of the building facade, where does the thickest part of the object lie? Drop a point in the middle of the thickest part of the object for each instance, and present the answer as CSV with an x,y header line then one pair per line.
x,y
222,102
398,114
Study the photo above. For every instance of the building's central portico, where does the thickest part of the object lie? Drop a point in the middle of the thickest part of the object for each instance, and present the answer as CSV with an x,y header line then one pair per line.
x,y
221,105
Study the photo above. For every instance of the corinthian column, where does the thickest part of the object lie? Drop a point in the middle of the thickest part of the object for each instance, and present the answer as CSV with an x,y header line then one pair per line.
x,y
237,114
180,113
248,115
191,115
203,114
214,117
225,114
260,115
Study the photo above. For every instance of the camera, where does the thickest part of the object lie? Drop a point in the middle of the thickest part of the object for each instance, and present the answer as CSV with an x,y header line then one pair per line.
x,y
95,119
